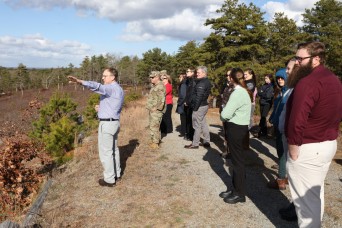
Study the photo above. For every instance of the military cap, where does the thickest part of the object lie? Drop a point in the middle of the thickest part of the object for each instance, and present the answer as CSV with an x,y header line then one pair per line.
x,y
154,74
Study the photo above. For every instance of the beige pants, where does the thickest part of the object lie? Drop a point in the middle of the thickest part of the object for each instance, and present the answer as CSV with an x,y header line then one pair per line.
x,y
306,179
108,150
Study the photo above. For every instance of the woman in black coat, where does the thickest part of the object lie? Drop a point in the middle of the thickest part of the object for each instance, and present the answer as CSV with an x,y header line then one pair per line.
x,y
266,94
180,104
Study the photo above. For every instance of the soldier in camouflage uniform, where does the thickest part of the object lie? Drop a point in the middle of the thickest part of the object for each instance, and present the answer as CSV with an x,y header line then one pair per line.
x,y
156,107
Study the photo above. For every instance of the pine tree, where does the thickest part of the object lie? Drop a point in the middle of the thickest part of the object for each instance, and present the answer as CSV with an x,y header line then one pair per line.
x,y
239,40
324,23
56,122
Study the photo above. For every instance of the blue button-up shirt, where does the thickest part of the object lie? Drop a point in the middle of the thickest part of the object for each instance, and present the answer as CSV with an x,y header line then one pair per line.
x,y
111,100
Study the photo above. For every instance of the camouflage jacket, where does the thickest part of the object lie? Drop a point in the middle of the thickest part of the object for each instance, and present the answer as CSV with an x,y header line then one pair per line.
x,y
156,98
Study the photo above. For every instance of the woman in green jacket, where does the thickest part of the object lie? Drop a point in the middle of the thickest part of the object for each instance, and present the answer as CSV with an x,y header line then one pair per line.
x,y
237,113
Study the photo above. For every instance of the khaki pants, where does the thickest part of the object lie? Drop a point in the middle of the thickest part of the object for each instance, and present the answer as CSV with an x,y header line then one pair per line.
x,y
306,179
109,150
154,124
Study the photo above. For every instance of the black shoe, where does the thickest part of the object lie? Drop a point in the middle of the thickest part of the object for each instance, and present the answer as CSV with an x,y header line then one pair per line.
x,y
289,213
287,209
261,134
290,216
206,144
225,194
233,199
104,183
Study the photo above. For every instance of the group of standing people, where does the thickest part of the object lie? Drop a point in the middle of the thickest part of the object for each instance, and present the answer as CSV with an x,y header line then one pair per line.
x,y
192,106
307,111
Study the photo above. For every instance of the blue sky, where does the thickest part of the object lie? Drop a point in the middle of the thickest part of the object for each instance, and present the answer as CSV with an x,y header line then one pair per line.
x,y
54,33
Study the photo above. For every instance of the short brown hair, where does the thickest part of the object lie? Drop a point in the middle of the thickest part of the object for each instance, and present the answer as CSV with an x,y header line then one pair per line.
x,y
314,48
113,71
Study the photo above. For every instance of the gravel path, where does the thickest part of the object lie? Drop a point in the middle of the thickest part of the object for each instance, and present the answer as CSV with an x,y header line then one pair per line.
x,y
204,174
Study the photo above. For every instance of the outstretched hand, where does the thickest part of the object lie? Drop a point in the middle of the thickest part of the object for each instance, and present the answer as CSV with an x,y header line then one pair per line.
x,y
73,79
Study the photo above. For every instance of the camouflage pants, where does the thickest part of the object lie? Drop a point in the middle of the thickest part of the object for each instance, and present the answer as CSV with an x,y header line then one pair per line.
x,y
154,123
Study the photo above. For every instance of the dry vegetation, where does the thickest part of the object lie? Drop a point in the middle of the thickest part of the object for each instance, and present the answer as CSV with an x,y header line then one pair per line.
x,y
22,164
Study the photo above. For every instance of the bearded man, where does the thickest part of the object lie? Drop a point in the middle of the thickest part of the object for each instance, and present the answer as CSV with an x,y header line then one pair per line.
x,y
313,115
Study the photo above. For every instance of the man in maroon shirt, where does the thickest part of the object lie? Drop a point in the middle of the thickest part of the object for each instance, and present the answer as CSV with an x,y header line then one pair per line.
x,y
314,112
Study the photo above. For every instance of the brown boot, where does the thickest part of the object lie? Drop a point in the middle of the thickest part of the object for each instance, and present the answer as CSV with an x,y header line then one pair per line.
x,y
279,184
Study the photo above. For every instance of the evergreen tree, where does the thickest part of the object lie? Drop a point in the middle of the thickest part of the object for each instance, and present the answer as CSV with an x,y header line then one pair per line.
x,y
91,119
154,59
60,138
239,40
22,77
85,69
186,57
324,23
284,36
6,82
58,107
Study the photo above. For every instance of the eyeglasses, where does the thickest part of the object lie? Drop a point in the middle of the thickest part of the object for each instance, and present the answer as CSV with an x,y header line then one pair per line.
x,y
104,76
189,71
300,59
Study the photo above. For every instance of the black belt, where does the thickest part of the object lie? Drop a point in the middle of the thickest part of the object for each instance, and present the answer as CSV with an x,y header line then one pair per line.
x,y
109,119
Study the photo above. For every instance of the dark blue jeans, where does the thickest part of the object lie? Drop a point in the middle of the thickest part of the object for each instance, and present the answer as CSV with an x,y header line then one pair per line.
x,y
280,152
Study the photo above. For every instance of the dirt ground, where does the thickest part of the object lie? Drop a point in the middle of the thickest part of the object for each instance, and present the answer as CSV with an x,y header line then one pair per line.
x,y
173,186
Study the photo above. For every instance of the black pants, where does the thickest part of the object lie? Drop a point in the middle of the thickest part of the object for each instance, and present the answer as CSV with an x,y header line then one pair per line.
x,y
236,135
264,109
183,123
166,123
225,132
189,129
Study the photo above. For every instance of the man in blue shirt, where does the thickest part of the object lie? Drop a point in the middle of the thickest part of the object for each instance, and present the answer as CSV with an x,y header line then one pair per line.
x,y
111,100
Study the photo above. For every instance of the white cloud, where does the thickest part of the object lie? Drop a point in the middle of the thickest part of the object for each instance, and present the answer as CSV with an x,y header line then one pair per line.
x,y
185,25
146,19
293,9
34,49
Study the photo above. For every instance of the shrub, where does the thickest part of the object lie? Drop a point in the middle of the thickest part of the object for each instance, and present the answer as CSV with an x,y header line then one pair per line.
x,y
90,112
56,125
60,138
132,96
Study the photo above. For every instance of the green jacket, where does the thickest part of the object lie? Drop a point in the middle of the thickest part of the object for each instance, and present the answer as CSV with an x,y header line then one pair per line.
x,y
156,98
238,108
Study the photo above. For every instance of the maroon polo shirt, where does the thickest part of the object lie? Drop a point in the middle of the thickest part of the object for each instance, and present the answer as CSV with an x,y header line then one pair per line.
x,y
314,109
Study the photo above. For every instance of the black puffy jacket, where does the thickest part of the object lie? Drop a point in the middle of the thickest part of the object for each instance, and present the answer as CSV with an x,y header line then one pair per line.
x,y
266,93
200,93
